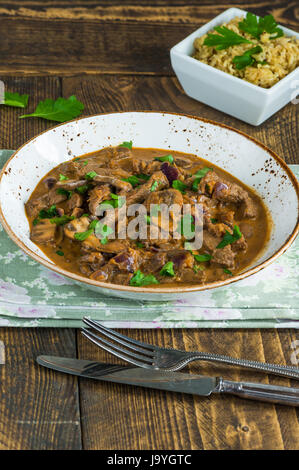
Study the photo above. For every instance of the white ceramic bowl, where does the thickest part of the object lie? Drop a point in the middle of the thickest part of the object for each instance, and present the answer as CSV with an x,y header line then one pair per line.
x,y
232,95
242,156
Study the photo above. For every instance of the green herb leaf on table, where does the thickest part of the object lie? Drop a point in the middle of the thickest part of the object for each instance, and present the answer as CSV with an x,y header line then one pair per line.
x,y
128,145
59,110
230,237
242,61
140,279
256,26
15,99
167,269
224,39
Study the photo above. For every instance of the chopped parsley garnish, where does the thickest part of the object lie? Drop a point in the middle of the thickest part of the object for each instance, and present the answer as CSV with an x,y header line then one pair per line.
x,y
85,163
242,61
154,186
81,236
230,237
128,145
62,177
165,158
82,189
256,26
90,175
167,269
64,192
139,245
199,175
103,230
227,271
133,180
46,214
214,221
202,258
139,279
60,253
147,219
61,220
197,268
177,184
224,39
77,159
115,201
143,177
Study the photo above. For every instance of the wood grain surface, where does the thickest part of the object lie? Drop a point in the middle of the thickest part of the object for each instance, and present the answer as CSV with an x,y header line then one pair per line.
x,y
114,56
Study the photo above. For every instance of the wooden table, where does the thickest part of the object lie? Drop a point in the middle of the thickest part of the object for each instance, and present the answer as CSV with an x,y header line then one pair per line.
x,y
114,56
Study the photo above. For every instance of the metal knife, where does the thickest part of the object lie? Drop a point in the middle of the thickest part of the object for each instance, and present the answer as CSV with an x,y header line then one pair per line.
x,y
171,381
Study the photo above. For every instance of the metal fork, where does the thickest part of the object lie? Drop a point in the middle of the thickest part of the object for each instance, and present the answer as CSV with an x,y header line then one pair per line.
x,y
153,357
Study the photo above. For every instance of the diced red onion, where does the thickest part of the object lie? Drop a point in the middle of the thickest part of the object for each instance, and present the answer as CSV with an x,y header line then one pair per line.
x,y
170,172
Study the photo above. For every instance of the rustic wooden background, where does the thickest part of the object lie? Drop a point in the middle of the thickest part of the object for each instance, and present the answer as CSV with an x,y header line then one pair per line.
x,y
115,56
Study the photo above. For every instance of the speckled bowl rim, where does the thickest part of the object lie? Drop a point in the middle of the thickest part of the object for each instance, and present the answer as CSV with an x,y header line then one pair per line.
x,y
157,290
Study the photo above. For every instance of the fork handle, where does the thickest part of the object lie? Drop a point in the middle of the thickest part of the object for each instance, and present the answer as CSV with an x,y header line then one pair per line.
x,y
275,369
260,392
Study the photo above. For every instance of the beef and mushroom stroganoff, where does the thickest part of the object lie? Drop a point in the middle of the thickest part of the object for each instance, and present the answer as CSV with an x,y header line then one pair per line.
x,y
70,208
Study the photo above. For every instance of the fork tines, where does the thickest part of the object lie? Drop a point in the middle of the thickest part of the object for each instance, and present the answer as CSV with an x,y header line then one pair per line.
x,y
137,353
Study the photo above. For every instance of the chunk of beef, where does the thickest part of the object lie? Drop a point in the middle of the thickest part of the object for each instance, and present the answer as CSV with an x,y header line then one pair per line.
x,y
224,256
77,225
91,262
145,166
96,196
75,201
142,192
237,195
33,207
153,262
227,217
168,197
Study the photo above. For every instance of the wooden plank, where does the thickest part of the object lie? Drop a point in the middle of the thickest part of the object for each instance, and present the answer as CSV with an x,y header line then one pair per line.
x,y
105,38
15,131
124,417
39,409
118,93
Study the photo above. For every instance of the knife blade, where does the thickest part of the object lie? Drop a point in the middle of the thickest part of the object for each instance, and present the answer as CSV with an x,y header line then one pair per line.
x,y
170,381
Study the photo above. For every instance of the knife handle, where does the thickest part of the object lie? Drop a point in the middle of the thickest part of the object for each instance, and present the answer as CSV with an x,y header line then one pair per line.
x,y
260,392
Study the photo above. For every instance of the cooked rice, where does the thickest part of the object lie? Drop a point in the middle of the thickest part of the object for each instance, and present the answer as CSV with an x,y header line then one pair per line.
x,y
281,55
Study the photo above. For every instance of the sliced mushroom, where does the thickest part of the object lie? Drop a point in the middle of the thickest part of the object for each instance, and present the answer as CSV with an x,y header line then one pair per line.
x,y
43,232
116,182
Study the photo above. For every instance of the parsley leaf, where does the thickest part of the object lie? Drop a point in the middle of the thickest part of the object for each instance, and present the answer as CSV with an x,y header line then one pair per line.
x,y
48,213
166,158
128,145
82,189
61,220
62,177
242,61
59,110
64,192
202,258
90,175
230,237
227,271
256,26
133,180
224,39
60,253
15,99
167,269
177,184
143,177
139,279
154,186
199,175
186,226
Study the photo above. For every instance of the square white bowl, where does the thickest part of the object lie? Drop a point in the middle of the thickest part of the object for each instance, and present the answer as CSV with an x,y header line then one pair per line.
x,y
232,95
